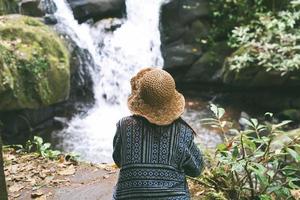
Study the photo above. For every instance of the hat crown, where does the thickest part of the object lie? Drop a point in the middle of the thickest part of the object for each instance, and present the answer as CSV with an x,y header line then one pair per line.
x,y
157,87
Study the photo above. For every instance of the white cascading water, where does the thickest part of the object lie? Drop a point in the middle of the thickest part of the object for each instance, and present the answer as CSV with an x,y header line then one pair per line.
x,y
117,55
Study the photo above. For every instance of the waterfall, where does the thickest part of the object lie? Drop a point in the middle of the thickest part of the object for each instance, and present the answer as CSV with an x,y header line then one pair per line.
x,y
116,56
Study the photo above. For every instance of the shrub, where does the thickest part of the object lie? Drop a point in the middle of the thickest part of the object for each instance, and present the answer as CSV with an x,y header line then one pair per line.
x,y
260,162
271,41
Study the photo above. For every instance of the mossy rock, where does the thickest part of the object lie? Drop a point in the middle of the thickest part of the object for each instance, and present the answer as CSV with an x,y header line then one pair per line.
x,y
34,64
8,6
257,76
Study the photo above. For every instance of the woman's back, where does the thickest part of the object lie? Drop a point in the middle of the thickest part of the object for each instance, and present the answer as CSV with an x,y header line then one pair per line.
x,y
154,159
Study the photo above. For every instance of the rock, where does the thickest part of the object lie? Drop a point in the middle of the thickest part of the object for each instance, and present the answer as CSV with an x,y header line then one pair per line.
x,y
184,24
97,9
177,17
34,64
181,55
194,9
290,114
196,31
31,8
50,19
8,7
208,67
257,76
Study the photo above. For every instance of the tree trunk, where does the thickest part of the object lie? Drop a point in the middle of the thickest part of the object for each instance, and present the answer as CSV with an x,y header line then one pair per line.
x,y
3,191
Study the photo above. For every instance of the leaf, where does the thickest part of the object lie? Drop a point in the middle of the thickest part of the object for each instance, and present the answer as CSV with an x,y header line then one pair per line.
x,y
265,197
294,154
249,144
269,114
235,153
254,122
259,170
46,146
15,188
271,173
222,147
36,194
38,140
214,109
221,112
283,123
69,171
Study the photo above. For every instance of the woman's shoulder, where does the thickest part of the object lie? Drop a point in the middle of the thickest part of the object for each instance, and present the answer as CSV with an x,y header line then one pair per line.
x,y
129,120
187,128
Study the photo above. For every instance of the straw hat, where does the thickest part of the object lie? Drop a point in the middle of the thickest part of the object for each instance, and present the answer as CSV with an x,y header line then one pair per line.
x,y
154,96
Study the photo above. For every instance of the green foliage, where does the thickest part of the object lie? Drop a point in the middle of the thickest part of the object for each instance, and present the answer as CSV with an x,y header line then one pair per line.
x,y
8,6
251,164
227,14
37,145
271,41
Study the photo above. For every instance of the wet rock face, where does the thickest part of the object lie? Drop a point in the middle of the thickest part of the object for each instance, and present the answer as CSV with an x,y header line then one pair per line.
x,y
97,9
184,23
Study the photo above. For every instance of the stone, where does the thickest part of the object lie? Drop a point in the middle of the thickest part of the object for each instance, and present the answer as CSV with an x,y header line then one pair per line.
x,y
34,64
50,19
97,9
192,10
196,31
185,11
181,55
208,67
31,8
290,114
8,7
177,17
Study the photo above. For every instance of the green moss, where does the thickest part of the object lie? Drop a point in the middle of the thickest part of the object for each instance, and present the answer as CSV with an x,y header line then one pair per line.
x,y
34,64
8,6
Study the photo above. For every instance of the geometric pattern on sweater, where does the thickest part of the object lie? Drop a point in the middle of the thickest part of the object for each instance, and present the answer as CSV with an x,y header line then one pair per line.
x,y
154,160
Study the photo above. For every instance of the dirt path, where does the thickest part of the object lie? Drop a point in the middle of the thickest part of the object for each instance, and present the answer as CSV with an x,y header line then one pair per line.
x,y
90,183
30,176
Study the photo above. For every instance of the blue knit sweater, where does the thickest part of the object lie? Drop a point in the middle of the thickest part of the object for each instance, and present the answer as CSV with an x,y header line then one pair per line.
x,y
154,160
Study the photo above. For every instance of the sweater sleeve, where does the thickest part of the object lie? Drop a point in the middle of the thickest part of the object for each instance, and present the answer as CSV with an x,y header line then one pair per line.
x,y
193,159
117,146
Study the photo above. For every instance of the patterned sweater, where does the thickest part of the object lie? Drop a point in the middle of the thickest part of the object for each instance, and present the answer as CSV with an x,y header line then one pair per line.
x,y
154,159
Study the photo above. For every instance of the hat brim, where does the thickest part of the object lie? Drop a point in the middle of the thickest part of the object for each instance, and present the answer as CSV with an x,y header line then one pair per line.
x,y
163,114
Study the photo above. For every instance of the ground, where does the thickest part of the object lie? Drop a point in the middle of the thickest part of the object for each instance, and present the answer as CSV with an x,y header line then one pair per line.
x,y
30,176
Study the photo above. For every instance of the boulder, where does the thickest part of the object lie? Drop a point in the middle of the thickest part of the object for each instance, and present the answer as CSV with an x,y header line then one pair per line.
x,y
177,17
196,31
34,64
179,55
208,67
8,7
97,9
31,8
290,114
